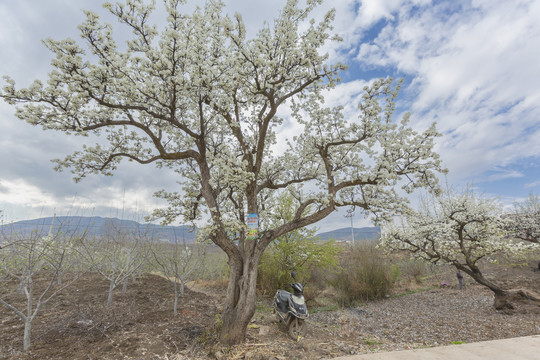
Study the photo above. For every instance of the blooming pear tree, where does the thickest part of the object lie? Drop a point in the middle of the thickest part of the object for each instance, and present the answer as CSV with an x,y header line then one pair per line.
x,y
524,222
460,229
200,97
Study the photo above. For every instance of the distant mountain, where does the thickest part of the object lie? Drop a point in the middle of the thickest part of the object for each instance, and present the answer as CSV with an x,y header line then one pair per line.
x,y
97,226
344,234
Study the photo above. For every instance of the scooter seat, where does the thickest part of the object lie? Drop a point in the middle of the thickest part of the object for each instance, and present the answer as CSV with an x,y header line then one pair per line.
x,y
282,300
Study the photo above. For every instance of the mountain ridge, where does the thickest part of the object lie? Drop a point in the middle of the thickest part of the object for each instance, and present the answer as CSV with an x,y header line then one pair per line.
x,y
98,226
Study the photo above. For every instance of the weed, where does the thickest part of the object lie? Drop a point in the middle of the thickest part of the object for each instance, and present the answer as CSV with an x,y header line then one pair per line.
x,y
372,342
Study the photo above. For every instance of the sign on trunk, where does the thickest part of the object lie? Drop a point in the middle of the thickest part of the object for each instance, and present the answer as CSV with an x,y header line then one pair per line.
x,y
252,225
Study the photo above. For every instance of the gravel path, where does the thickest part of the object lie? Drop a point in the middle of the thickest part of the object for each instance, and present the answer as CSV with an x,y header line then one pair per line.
x,y
436,317
430,318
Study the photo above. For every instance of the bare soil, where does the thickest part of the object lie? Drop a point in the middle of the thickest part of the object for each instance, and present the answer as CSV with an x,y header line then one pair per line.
x,y
140,324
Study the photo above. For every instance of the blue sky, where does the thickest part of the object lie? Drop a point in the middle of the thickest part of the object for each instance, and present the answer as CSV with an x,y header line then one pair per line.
x,y
471,66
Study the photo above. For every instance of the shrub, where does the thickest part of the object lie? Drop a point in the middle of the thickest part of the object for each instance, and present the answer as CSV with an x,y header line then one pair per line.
x,y
414,270
298,250
308,258
365,275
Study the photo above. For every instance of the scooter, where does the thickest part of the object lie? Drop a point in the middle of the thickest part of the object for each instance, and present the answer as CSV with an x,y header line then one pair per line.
x,y
292,310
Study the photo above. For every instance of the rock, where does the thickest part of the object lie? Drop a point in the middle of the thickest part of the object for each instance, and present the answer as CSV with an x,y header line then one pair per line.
x,y
264,330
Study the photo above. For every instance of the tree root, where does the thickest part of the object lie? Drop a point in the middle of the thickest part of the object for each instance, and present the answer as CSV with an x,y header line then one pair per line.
x,y
509,298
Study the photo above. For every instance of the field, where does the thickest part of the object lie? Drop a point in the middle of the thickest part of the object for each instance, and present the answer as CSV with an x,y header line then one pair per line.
x,y
140,324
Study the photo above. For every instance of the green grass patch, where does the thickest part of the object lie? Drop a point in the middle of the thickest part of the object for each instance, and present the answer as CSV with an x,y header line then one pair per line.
x,y
372,342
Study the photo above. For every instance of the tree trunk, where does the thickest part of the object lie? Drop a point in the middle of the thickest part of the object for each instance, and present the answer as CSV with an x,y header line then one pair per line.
x,y
27,340
125,285
240,303
509,298
175,307
502,297
110,296
502,301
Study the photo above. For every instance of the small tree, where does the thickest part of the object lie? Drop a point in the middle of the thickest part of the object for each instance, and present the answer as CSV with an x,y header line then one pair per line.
x,y
116,256
459,229
27,259
179,262
524,222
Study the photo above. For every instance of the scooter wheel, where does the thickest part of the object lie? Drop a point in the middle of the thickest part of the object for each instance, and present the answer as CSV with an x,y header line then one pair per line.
x,y
297,328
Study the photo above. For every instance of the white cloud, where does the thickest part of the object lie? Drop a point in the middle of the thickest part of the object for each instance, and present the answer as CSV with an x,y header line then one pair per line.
x,y
20,192
20,200
475,70
531,185
505,174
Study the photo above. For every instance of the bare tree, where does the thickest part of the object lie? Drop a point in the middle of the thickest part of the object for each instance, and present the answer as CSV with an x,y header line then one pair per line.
x,y
116,256
179,261
34,261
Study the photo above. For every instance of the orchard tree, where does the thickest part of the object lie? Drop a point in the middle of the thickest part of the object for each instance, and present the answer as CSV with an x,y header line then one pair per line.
x,y
200,97
524,222
117,255
34,262
460,229
179,262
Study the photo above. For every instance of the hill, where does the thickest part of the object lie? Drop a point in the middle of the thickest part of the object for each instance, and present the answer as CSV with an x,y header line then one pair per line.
x,y
344,234
97,226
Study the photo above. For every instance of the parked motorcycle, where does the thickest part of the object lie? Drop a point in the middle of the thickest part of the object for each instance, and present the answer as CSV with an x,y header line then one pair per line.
x,y
292,310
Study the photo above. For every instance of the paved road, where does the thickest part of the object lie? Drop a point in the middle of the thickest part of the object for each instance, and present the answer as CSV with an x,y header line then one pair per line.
x,y
522,348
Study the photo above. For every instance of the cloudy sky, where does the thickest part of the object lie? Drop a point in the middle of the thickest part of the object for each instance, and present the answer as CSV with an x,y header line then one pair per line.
x,y
471,66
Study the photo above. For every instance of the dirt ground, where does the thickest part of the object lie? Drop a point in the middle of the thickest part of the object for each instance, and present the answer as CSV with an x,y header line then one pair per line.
x,y
140,324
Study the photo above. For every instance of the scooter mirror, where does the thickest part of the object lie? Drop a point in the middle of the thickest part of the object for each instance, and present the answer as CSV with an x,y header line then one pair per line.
x,y
293,274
